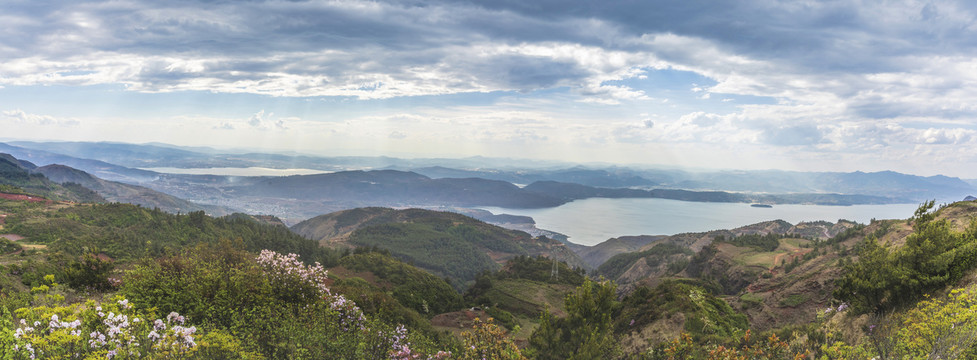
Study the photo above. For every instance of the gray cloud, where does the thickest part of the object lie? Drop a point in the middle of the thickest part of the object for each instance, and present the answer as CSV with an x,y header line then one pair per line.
x,y
830,61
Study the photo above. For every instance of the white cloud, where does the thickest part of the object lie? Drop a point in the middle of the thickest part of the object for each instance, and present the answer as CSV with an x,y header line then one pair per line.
x,y
20,117
845,77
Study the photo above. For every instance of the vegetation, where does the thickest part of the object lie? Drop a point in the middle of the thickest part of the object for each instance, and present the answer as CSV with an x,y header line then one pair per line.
x,y
427,246
587,330
766,243
17,178
128,232
523,288
660,253
886,278
238,288
446,244
707,317
488,341
414,288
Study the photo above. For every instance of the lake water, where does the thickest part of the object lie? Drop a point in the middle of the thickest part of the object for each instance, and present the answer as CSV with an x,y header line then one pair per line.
x,y
236,171
591,221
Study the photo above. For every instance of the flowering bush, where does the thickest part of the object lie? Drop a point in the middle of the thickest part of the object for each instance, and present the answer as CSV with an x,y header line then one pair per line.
x,y
272,304
292,280
108,329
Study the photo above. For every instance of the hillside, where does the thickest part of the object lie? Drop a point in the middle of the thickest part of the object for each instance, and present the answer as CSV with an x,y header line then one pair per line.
x,y
782,277
389,188
101,169
445,243
596,255
126,193
20,174
216,273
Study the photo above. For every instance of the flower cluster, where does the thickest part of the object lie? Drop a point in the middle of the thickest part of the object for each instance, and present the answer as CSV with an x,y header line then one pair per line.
x,y
350,315
292,276
117,330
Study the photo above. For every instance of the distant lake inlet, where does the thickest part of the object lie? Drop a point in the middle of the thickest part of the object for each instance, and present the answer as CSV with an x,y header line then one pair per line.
x,y
592,221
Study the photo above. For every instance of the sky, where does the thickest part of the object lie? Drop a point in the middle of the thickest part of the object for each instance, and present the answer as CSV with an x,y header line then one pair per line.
x,y
725,84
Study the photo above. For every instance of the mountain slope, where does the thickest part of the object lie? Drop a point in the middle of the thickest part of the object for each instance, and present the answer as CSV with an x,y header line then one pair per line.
x,y
18,173
125,193
99,168
444,243
390,187
600,253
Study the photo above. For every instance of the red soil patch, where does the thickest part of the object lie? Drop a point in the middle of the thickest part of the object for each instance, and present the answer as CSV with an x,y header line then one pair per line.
x,y
459,319
12,237
20,197
780,261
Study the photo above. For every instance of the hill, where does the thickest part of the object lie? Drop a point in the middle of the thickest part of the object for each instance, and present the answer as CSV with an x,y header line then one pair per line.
x,y
661,258
20,174
125,193
396,188
99,168
596,255
447,244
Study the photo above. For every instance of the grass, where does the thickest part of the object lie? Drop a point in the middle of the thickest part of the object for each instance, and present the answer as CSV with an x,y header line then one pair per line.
x,y
751,299
748,257
528,298
794,300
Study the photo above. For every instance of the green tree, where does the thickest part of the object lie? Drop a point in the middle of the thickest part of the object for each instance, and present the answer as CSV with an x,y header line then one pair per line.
x,y
488,341
587,330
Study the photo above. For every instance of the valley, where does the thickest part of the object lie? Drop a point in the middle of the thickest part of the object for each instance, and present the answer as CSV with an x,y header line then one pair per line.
x,y
437,270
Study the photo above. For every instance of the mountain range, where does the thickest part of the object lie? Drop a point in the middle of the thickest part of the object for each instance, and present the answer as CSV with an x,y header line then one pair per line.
x,y
886,184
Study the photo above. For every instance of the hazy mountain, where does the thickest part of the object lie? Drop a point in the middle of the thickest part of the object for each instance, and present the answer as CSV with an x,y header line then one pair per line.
x,y
126,193
884,184
390,187
612,178
100,169
20,174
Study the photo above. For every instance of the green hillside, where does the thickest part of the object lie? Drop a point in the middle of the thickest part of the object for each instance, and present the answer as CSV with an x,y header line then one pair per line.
x,y
447,244
75,260
888,289
18,175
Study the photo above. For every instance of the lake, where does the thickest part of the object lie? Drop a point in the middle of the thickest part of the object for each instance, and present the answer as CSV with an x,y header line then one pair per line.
x,y
591,221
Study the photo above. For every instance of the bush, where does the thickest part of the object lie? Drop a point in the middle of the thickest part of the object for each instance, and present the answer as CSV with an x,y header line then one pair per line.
x,y
273,303
933,257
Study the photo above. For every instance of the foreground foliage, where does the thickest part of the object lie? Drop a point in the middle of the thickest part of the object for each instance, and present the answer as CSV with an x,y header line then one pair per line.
x,y
886,278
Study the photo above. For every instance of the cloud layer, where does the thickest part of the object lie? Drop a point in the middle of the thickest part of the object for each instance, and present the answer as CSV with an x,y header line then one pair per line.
x,y
891,82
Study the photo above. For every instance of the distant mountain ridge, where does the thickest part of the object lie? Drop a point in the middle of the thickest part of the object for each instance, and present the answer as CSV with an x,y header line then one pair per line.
x,y
22,174
887,184
126,193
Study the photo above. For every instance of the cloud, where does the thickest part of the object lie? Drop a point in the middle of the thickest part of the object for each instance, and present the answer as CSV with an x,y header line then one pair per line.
x,y
792,135
20,117
837,77
266,121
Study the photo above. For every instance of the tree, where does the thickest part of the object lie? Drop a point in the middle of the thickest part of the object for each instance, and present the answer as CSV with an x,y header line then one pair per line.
x,y
586,331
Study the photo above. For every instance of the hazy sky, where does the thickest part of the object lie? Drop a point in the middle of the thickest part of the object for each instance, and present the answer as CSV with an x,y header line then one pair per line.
x,y
800,85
